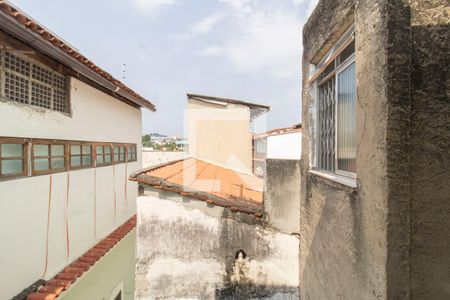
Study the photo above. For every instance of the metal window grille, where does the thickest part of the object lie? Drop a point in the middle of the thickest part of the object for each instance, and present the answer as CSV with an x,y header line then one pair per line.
x,y
326,121
29,82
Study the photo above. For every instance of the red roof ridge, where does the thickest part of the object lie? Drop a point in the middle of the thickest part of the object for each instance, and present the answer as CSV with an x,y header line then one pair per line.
x,y
64,279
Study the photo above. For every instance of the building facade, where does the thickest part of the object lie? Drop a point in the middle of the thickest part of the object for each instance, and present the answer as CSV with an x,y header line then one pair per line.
x,y
375,204
64,169
212,122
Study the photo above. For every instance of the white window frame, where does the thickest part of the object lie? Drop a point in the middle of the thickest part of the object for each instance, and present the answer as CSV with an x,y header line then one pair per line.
x,y
340,176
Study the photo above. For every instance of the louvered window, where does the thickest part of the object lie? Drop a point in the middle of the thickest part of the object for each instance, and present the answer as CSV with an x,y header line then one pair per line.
x,y
336,109
29,82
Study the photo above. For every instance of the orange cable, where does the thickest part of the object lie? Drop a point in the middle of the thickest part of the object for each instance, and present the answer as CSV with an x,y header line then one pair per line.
x,y
48,226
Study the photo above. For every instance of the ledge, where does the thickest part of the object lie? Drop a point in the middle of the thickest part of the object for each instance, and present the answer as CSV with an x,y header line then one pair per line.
x,y
336,178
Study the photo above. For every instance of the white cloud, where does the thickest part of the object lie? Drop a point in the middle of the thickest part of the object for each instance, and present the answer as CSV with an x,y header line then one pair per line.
x,y
151,6
203,26
266,37
211,51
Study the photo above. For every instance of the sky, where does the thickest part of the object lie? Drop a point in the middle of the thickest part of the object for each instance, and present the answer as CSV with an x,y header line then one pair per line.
x,y
243,49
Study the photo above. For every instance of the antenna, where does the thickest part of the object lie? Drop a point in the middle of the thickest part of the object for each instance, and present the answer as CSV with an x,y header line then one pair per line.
x,y
123,71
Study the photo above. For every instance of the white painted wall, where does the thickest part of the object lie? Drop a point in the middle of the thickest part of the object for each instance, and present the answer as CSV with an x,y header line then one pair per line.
x,y
24,202
152,158
284,146
184,247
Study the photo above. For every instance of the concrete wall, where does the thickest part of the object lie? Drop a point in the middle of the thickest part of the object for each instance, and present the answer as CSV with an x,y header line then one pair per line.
x,y
115,271
24,202
388,238
186,250
220,134
282,198
285,146
153,158
430,154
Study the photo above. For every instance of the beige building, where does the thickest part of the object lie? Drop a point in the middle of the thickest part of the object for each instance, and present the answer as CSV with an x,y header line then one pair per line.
x,y
219,130
70,135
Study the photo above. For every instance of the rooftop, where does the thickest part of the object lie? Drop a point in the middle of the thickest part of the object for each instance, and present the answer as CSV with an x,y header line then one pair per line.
x,y
255,109
207,182
18,24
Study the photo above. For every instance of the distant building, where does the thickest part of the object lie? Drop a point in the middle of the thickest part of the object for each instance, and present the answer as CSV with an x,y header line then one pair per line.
x,y
70,135
219,130
280,143
182,145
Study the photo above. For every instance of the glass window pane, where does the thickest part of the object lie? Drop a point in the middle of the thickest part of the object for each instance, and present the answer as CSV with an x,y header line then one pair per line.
x,y
133,156
107,158
12,150
41,164
41,150
87,161
75,161
87,149
57,150
13,166
100,159
75,149
107,149
57,163
122,157
129,154
99,149
346,117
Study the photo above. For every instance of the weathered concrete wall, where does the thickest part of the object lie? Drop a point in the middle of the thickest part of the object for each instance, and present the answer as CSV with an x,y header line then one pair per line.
x,y
388,238
186,249
430,150
282,198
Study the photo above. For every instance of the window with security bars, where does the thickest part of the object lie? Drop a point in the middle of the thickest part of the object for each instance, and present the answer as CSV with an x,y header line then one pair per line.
x,y
29,82
336,109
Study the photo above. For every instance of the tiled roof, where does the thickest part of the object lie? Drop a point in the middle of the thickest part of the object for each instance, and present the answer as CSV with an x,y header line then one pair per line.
x,y
41,32
280,131
208,182
62,281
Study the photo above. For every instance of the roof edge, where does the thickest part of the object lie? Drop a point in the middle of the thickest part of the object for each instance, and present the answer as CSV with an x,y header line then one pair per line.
x,y
18,24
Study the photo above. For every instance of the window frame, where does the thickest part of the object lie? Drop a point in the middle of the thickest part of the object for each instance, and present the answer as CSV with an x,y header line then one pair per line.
x,y
116,162
315,82
30,80
103,145
80,144
25,157
49,143
128,146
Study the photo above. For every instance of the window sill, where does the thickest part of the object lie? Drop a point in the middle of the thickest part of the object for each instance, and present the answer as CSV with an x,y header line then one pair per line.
x,y
336,178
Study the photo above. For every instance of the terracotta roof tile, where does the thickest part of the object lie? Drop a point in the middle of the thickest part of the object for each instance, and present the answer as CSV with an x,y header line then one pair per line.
x,y
32,25
208,182
62,281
